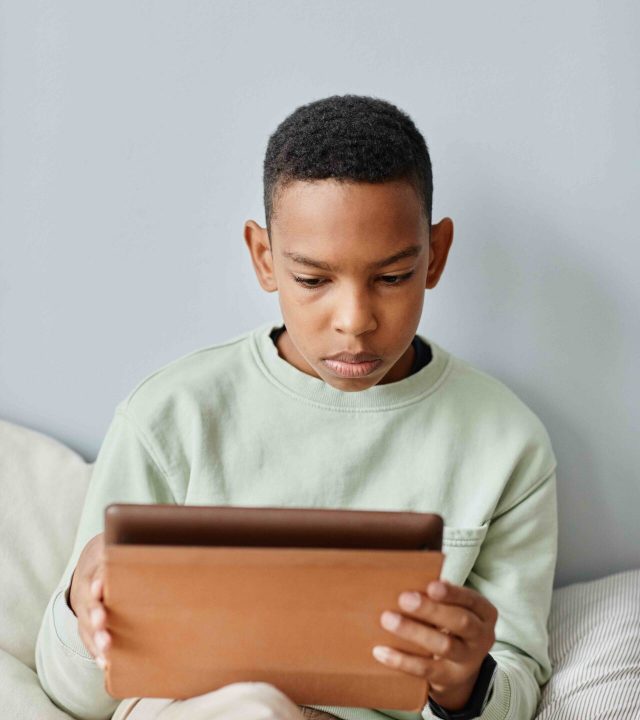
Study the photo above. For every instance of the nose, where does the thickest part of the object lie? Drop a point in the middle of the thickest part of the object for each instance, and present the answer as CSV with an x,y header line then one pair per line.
x,y
354,314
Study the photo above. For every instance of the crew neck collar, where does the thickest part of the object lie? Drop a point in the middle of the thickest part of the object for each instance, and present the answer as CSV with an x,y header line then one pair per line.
x,y
306,387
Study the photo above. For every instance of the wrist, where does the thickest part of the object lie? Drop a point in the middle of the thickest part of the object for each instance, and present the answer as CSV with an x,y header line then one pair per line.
x,y
480,695
454,698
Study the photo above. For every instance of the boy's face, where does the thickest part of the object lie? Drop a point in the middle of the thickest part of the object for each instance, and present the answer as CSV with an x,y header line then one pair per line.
x,y
350,305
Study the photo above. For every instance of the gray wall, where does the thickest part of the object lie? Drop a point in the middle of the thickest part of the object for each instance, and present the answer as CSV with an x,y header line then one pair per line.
x,y
132,137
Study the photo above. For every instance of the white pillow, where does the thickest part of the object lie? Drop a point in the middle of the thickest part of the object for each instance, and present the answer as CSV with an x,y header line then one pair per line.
x,y
21,695
42,489
594,645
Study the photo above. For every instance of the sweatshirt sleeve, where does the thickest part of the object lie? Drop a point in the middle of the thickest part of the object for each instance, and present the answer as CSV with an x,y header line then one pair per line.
x,y
515,571
128,469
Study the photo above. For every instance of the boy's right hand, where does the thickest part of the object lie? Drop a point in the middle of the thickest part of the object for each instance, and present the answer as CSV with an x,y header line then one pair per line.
x,y
85,599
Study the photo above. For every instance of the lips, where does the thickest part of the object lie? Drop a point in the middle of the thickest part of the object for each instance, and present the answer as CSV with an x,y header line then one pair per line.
x,y
352,370
353,358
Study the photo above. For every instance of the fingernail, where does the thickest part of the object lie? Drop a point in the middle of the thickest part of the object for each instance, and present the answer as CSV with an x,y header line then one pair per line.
x,y
437,590
101,662
409,601
390,620
95,587
95,617
381,652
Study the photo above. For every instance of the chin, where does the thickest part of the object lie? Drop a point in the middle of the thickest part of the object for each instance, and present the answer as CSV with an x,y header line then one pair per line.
x,y
350,384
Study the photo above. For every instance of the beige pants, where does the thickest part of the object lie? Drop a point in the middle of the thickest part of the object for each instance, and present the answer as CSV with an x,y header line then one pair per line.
x,y
237,701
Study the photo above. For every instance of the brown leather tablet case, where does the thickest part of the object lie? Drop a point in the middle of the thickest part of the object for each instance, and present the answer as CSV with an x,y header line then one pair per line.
x,y
198,597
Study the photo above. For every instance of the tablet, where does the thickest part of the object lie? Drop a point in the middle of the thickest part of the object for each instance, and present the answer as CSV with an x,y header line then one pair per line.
x,y
198,597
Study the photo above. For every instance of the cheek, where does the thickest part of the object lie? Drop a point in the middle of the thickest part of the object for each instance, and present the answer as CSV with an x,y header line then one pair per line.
x,y
298,297
407,304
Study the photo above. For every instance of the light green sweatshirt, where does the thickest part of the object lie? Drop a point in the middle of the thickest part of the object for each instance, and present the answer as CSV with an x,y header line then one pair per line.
x,y
237,424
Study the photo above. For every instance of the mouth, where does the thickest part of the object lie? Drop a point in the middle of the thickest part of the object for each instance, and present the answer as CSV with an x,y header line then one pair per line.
x,y
352,369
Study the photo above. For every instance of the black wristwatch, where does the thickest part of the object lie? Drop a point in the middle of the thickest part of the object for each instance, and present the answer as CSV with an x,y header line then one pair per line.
x,y
482,692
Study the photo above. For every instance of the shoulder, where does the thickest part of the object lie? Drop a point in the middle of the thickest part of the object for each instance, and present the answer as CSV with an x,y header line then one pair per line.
x,y
185,384
499,404
498,432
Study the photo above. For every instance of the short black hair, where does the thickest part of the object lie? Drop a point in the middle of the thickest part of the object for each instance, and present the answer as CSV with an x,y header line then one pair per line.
x,y
348,138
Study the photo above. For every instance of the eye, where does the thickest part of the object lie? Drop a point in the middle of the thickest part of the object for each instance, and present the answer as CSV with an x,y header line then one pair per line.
x,y
309,283
397,278
389,280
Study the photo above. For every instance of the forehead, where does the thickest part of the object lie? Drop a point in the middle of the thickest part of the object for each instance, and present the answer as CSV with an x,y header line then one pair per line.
x,y
339,209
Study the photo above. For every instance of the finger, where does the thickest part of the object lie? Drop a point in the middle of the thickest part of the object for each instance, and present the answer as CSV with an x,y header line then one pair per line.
x,y
92,623
97,617
448,618
99,644
432,640
447,593
89,641
97,587
97,620
102,640
412,664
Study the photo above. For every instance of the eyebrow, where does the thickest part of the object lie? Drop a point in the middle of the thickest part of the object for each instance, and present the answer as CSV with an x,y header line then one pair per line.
x,y
411,251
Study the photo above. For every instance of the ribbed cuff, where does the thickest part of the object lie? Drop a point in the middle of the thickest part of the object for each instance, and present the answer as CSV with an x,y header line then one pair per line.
x,y
498,706
66,626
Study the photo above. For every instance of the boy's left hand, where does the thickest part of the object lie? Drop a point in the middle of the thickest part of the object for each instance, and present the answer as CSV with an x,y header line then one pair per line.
x,y
455,625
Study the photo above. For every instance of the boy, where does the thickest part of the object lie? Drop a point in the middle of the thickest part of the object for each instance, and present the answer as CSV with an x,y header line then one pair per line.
x,y
342,405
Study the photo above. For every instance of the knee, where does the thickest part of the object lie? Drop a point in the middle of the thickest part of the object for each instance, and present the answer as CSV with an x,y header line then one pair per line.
x,y
267,701
245,700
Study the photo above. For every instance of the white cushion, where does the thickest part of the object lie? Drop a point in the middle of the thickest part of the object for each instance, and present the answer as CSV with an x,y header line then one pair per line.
x,y
42,486
594,645
21,695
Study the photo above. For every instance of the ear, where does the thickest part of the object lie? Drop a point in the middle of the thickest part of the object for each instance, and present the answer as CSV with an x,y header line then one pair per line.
x,y
257,240
439,246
